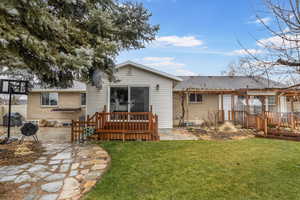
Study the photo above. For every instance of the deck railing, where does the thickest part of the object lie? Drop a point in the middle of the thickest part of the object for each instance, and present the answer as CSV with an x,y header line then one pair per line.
x,y
265,121
119,126
282,119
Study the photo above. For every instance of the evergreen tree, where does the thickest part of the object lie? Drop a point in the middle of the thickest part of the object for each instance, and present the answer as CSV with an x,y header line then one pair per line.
x,y
59,41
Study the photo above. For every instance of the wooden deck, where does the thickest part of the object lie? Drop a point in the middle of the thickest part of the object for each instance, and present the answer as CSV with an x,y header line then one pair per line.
x,y
118,126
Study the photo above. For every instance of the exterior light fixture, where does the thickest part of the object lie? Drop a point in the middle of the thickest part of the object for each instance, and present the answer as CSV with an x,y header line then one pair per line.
x,y
157,87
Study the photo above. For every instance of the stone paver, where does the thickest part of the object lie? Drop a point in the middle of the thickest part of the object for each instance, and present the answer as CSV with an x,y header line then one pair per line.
x,y
23,178
64,171
71,188
49,197
52,187
54,177
176,134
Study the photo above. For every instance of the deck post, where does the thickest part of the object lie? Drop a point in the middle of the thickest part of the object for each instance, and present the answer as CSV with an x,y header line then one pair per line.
x,y
156,127
266,126
232,108
292,116
247,110
279,110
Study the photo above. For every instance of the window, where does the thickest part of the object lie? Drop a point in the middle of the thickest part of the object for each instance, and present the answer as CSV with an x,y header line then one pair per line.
x,y
271,100
195,98
83,99
49,99
240,103
271,104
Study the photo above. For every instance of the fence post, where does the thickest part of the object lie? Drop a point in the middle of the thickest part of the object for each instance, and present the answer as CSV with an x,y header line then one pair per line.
x,y
223,115
266,126
156,128
72,131
292,121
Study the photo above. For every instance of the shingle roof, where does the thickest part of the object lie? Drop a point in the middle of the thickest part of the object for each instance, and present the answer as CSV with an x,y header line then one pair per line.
x,y
225,83
77,87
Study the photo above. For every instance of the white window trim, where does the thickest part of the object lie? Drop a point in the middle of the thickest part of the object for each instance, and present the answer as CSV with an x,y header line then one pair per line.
x,y
83,106
49,106
128,86
194,102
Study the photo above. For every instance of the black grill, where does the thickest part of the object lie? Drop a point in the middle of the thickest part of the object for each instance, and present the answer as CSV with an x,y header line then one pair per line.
x,y
29,129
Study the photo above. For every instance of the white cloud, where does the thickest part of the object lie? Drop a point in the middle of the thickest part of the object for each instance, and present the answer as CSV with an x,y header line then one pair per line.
x,y
166,62
184,72
158,59
177,41
277,42
169,65
271,41
265,20
242,52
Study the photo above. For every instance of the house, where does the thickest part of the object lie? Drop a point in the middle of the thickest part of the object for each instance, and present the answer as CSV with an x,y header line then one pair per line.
x,y
138,89
200,96
142,100
56,104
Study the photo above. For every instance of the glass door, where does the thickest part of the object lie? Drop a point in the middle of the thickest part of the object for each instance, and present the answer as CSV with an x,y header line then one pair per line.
x,y
129,99
139,99
118,99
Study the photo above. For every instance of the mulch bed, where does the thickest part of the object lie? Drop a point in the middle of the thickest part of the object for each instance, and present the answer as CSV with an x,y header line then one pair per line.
x,y
16,154
6,191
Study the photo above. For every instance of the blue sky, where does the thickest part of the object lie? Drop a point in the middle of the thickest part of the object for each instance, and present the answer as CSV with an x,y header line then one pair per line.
x,y
199,37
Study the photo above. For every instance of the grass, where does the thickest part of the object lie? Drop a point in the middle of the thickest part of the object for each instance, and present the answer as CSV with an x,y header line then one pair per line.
x,y
200,170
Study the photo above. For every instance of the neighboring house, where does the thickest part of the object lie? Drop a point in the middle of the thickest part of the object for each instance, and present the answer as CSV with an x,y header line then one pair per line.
x,y
56,104
138,89
203,95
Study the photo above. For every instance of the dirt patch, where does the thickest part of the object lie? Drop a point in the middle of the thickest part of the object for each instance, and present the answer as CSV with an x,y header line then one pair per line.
x,y
15,153
7,192
226,131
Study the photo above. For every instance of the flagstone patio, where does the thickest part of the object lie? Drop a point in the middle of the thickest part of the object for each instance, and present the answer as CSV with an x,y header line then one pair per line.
x,y
64,171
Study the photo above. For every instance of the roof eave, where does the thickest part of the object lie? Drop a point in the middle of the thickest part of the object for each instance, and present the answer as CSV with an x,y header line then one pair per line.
x,y
140,66
58,90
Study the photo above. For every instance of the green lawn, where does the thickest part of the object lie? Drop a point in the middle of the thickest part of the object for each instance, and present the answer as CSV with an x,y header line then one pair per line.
x,y
200,170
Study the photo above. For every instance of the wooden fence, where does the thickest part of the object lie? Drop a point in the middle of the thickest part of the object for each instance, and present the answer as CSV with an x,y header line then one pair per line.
x,y
268,122
118,126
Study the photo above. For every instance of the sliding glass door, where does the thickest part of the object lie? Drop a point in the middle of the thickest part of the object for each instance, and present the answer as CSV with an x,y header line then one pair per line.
x,y
129,99
139,99
118,99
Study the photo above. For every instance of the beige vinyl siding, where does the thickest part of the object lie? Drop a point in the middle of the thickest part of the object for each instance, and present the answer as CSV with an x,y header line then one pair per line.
x,y
195,112
160,100
35,111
